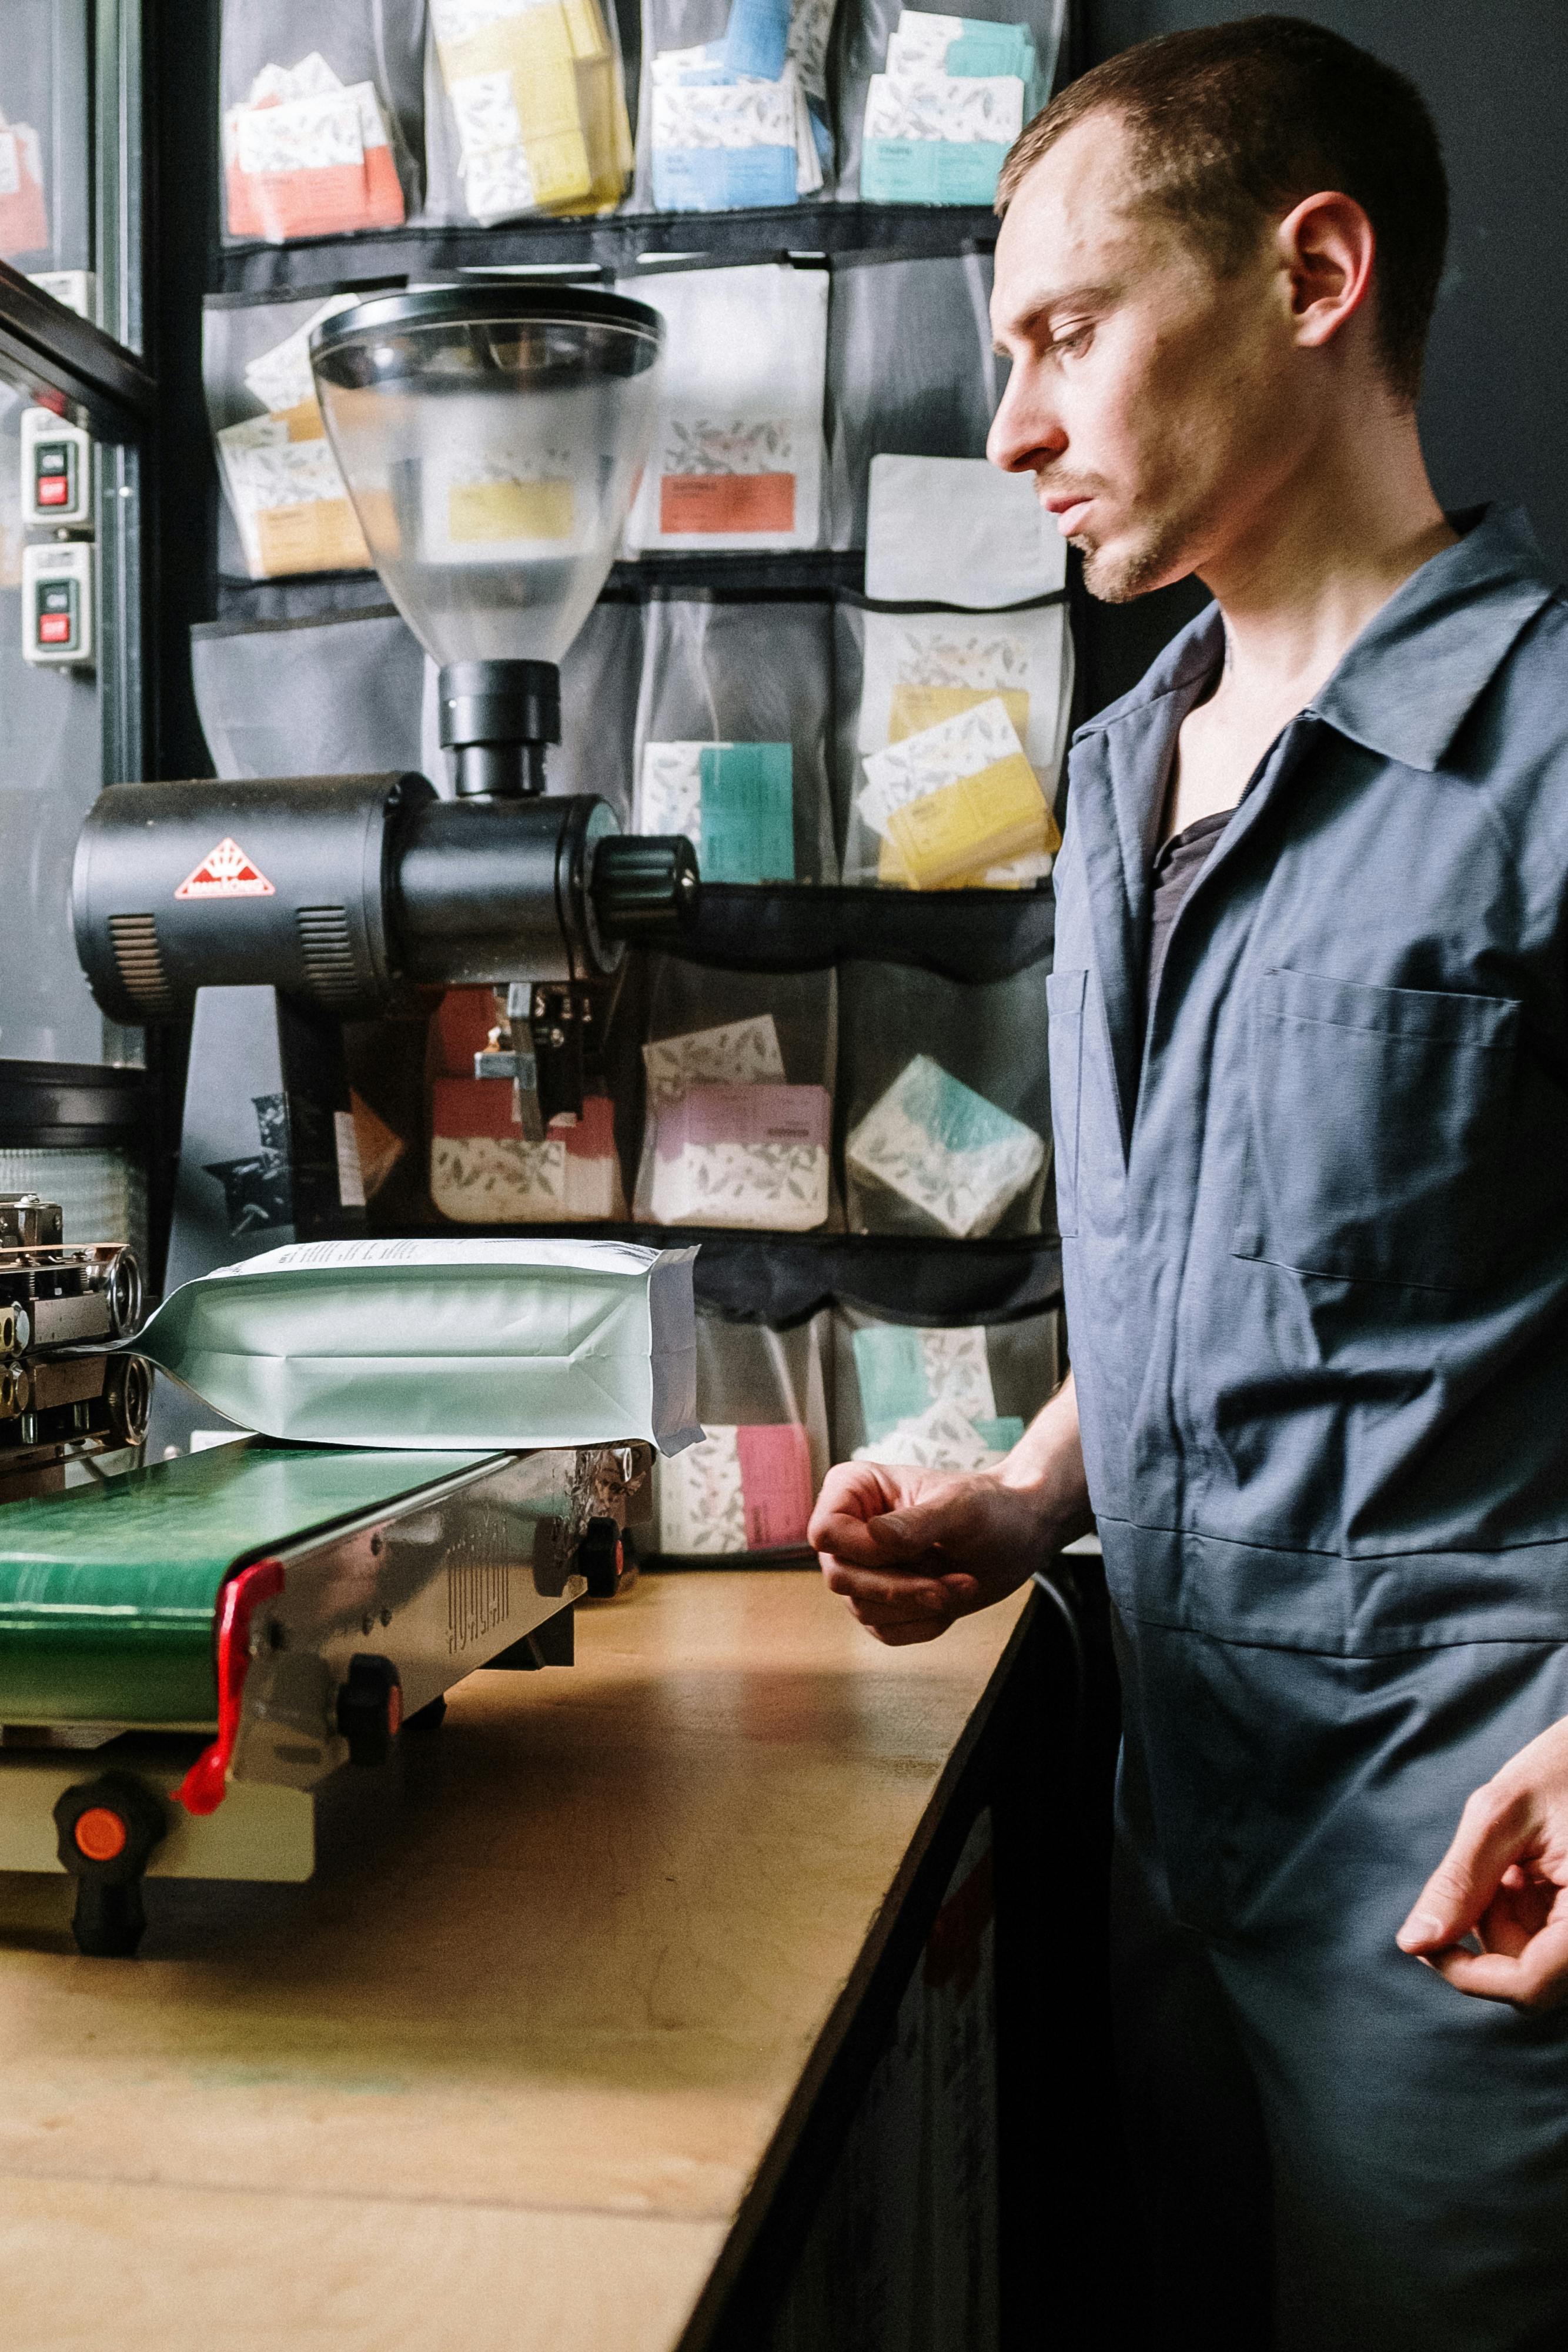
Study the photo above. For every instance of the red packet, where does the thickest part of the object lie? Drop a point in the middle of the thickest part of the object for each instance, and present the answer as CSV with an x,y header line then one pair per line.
x,y
775,1482
462,1107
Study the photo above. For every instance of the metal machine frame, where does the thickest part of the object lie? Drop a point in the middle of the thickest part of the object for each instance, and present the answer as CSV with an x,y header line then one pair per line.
x,y
323,1648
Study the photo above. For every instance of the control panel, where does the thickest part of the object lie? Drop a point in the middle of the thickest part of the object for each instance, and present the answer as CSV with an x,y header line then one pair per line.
x,y
57,602
57,472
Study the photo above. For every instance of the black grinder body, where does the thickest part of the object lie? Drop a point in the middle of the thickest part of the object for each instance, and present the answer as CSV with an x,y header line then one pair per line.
x,y
344,891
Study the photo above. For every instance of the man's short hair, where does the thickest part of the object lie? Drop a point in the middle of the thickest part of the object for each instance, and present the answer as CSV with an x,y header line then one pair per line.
x,y
1233,124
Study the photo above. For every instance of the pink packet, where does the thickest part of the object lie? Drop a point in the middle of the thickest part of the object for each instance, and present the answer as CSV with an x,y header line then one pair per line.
x,y
775,1483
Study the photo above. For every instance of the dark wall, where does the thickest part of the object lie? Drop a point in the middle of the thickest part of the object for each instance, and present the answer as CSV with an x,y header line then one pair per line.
x,y
1493,416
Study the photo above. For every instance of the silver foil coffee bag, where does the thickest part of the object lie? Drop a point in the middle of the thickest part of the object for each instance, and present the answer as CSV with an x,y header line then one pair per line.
x,y
466,1344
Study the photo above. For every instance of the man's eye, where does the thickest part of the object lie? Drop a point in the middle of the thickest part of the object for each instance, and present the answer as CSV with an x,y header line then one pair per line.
x,y
1072,346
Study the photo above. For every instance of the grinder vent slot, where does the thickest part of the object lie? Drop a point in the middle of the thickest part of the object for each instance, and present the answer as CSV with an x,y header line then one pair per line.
x,y
139,959
331,972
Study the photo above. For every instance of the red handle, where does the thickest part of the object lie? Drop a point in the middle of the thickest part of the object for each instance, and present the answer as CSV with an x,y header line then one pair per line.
x,y
202,1789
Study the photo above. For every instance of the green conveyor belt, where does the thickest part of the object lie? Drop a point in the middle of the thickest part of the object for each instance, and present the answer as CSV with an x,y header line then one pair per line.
x,y
107,1593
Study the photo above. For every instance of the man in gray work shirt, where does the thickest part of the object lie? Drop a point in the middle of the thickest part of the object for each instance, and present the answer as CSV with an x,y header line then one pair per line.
x,y
1309,1054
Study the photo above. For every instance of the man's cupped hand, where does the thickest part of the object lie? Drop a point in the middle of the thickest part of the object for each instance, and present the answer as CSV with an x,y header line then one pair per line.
x,y
911,1550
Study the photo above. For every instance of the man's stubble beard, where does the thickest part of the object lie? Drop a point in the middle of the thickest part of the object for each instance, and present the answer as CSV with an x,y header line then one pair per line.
x,y
1118,578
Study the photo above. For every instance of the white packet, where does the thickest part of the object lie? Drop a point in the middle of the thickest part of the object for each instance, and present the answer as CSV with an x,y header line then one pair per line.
x,y
945,1150
958,530
737,453
453,1345
919,667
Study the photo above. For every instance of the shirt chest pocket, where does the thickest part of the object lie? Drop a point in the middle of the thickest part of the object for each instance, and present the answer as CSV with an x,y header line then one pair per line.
x,y
1376,1142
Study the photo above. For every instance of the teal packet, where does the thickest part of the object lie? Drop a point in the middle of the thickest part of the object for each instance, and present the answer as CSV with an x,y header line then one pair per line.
x,y
468,1345
747,812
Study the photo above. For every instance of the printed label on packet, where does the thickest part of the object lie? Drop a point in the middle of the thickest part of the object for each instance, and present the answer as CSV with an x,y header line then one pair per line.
x,y
509,509
966,745
747,812
749,1156
915,709
726,502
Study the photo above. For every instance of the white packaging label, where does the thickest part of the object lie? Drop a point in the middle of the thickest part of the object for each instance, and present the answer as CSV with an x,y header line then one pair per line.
x,y
735,1053
966,109
280,378
941,1438
304,135
350,1176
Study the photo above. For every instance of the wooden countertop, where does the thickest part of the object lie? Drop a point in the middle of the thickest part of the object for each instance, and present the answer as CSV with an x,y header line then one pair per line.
x,y
500,2076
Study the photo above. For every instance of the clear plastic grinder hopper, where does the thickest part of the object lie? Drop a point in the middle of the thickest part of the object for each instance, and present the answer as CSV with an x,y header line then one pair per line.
x,y
491,439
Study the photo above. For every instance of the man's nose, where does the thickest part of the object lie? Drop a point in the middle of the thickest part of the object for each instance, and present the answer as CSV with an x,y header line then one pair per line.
x,y
1025,433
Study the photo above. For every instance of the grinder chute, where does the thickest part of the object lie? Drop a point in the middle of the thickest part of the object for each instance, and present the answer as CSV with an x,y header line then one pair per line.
x,y
491,440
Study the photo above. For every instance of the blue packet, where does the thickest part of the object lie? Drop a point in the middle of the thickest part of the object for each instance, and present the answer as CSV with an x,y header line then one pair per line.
x,y
890,1365
747,812
1001,1434
756,37
930,171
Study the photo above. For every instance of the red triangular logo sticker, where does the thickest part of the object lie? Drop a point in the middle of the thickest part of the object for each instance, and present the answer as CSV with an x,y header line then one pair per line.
x,y
225,872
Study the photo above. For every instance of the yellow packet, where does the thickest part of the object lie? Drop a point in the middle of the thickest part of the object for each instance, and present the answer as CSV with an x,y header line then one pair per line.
x,y
892,874
982,820
559,164
315,535
915,707
607,135
537,53
516,509
518,45
303,420
585,26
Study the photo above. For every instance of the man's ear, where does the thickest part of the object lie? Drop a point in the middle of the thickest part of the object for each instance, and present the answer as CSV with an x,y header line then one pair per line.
x,y
1326,248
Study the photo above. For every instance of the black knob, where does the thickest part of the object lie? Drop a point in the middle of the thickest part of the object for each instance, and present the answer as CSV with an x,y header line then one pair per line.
x,y
107,1831
644,886
601,1558
370,1707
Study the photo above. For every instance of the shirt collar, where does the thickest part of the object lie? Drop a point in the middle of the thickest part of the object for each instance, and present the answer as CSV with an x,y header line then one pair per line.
x,y
1408,682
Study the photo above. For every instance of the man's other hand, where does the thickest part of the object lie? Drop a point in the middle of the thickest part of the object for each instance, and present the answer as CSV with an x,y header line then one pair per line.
x,y
910,1550
1503,1885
